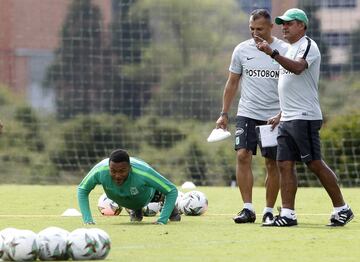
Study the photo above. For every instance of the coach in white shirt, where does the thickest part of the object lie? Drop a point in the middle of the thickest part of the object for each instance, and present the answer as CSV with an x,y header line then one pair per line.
x,y
258,75
301,118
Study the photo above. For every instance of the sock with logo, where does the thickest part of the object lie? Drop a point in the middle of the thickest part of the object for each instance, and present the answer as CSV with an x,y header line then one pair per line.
x,y
289,213
342,208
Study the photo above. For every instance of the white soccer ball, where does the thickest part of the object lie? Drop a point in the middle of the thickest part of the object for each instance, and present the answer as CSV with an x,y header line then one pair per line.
x,y
52,243
178,200
194,203
108,207
20,246
104,243
152,209
82,245
3,234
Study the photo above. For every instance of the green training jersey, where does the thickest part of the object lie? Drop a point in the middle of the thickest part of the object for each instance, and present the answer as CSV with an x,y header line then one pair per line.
x,y
136,191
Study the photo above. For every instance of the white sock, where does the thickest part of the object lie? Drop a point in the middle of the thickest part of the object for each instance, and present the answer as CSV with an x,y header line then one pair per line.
x,y
268,209
249,206
289,213
338,209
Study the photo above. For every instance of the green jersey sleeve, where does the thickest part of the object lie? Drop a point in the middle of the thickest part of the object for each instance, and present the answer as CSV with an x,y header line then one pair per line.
x,y
83,191
153,179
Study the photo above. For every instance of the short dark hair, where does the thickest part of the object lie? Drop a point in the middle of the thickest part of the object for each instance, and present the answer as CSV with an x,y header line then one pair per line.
x,y
257,13
119,155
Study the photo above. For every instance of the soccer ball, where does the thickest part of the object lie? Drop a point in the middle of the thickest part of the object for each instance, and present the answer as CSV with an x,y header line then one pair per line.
x,y
52,243
82,245
104,243
152,209
108,207
194,203
20,246
178,200
3,234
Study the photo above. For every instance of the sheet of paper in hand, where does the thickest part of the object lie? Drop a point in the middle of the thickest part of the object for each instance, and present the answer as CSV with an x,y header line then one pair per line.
x,y
267,137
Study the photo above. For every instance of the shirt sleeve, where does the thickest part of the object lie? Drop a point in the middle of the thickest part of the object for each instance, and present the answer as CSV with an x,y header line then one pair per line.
x,y
83,191
155,180
308,51
235,65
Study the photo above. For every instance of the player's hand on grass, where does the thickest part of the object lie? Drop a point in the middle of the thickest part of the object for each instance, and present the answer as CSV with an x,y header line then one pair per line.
x,y
158,223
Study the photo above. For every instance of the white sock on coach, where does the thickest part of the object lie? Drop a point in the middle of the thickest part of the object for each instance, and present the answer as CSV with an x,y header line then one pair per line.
x,y
268,209
289,213
338,209
249,206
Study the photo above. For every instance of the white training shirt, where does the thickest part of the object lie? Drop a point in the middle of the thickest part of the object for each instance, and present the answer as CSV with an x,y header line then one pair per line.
x,y
299,93
259,79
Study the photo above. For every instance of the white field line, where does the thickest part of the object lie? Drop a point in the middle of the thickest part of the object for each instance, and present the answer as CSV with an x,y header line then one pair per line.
x,y
206,215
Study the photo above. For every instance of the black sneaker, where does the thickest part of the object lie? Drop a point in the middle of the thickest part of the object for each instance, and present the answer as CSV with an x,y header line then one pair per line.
x,y
136,215
282,222
268,218
175,215
341,218
245,216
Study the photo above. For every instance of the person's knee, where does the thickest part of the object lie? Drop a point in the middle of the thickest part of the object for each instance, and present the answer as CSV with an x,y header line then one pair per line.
x,y
244,156
315,166
285,167
271,165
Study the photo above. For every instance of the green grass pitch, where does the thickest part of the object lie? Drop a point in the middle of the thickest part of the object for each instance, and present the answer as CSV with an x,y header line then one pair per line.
x,y
211,237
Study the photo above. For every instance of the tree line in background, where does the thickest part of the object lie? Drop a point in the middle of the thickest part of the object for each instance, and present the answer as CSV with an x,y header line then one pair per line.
x,y
152,83
150,59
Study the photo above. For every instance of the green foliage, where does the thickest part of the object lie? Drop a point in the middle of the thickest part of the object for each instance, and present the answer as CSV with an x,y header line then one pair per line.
x,y
314,31
186,51
341,147
190,157
339,97
31,127
160,134
87,139
77,73
22,146
129,36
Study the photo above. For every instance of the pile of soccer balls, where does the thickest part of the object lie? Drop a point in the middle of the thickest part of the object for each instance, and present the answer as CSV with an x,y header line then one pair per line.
x,y
193,203
54,243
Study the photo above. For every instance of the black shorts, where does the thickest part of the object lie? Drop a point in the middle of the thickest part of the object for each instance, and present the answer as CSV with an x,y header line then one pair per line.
x,y
299,140
246,137
158,197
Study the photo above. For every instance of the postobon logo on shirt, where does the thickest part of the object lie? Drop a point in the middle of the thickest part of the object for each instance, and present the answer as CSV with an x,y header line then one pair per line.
x,y
262,73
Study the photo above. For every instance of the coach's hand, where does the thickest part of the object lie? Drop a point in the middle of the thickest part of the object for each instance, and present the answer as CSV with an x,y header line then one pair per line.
x,y
274,121
222,121
262,45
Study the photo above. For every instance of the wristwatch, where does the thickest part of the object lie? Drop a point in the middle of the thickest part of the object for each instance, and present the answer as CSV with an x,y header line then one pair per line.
x,y
274,53
224,114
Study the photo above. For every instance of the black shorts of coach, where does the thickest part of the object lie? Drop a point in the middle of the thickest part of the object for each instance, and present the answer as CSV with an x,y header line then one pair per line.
x,y
299,140
247,138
